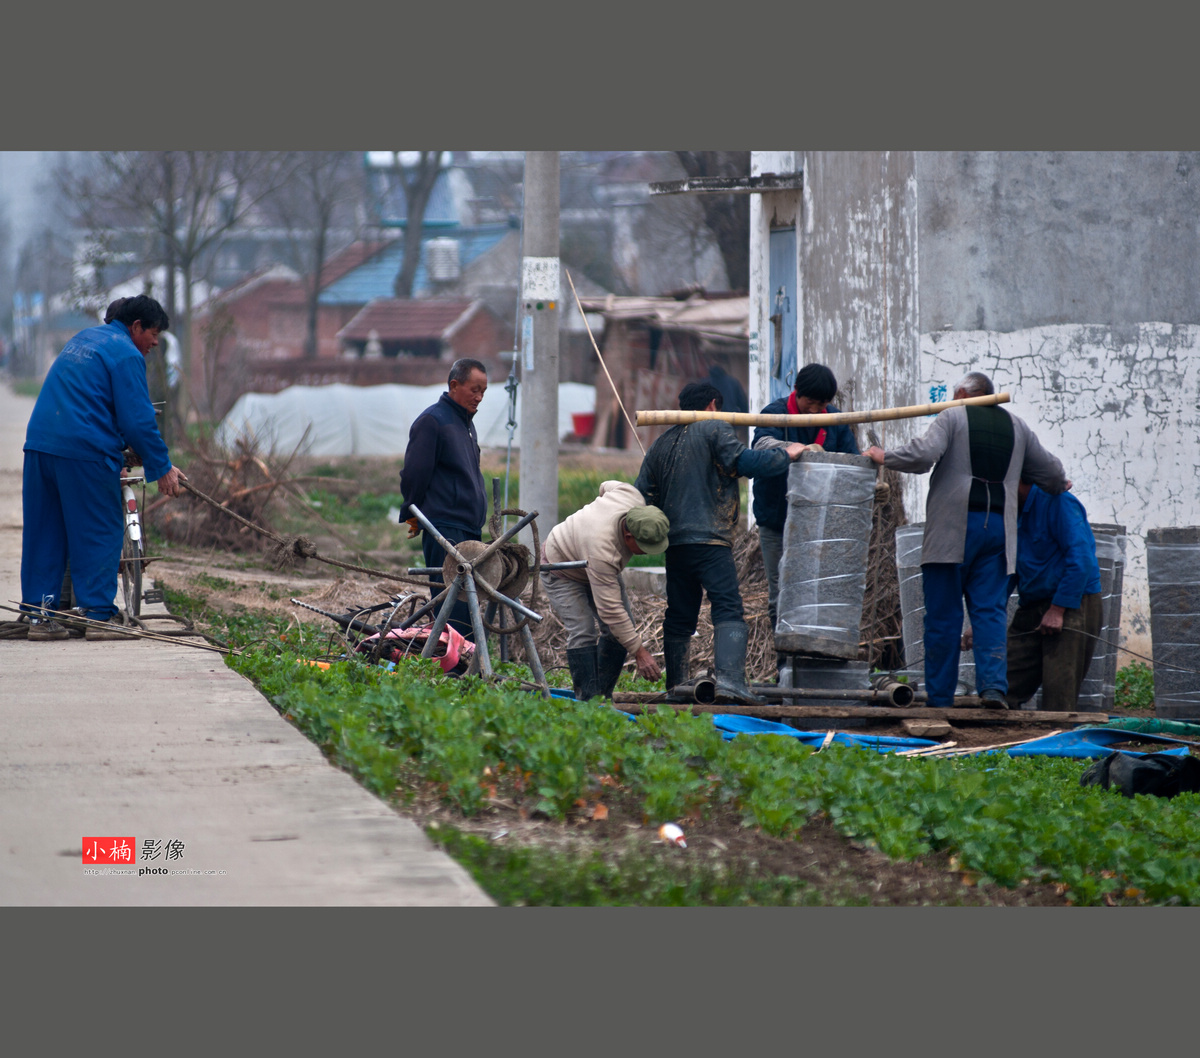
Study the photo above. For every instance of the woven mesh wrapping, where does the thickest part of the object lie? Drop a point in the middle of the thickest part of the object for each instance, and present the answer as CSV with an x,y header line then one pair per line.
x,y
823,572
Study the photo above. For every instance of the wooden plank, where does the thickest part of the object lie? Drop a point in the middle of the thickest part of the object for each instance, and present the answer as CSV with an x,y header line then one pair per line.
x,y
874,712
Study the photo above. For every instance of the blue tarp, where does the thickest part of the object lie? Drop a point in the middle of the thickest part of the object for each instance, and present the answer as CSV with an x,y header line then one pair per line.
x,y
733,724
1091,742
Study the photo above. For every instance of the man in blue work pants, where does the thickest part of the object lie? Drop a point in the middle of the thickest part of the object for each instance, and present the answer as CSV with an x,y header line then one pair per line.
x,y
982,579
93,403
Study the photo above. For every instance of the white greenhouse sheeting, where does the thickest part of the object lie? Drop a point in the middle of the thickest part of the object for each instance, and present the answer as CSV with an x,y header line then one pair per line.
x,y
372,420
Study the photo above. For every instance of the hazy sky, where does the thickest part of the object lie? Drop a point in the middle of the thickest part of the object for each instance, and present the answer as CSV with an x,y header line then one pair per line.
x,y
20,173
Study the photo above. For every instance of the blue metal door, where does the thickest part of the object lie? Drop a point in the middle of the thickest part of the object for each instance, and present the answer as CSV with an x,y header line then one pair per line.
x,y
781,333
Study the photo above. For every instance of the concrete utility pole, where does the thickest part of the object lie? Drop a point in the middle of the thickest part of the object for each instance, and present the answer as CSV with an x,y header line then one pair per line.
x,y
540,292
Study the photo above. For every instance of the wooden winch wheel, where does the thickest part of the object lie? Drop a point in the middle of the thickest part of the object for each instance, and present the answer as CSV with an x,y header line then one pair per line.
x,y
503,572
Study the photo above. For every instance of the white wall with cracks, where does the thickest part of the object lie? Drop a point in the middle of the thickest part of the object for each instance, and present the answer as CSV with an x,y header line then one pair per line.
x,y
1120,406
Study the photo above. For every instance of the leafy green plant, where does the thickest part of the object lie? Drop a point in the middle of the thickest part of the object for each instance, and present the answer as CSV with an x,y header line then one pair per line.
x,y
1135,686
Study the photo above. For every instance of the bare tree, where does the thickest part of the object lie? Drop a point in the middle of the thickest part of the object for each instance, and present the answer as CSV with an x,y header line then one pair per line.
x,y
418,181
318,205
184,202
727,216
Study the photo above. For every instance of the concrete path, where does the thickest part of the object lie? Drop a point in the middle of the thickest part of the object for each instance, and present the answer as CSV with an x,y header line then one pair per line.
x,y
158,742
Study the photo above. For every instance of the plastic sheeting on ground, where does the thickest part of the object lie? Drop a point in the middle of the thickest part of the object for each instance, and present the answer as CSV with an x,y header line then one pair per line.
x,y
1089,742
343,420
733,724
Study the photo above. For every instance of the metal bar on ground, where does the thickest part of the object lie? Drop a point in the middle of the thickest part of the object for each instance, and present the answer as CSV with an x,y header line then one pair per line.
x,y
448,547
535,663
435,634
503,539
412,618
480,656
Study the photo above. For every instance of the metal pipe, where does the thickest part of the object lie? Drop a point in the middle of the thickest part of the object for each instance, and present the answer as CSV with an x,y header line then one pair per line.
x,y
481,648
435,633
770,690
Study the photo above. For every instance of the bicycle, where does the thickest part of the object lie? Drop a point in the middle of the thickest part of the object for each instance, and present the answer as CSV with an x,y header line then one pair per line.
x,y
133,560
133,554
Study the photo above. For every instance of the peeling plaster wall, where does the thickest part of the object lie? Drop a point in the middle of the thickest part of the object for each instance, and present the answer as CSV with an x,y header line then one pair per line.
x,y
1045,269
856,224
858,277
1119,407
1019,239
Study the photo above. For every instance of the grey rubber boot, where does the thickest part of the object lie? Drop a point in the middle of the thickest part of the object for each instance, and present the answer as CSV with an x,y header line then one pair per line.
x,y
675,663
585,682
730,639
610,657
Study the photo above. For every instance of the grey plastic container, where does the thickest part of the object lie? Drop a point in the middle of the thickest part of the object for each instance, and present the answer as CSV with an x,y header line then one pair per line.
x,y
1098,692
909,539
823,571
1173,574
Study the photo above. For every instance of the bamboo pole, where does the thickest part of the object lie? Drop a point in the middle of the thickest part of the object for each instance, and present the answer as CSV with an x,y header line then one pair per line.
x,y
737,418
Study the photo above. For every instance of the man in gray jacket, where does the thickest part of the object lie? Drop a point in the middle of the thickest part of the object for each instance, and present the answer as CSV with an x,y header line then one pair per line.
x,y
691,473
978,456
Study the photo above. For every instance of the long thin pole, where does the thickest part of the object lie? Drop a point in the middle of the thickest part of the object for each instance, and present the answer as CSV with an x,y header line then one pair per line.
x,y
539,348
673,418
616,392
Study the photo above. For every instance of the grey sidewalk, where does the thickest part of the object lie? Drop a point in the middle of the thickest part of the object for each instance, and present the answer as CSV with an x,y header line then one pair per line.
x,y
164,742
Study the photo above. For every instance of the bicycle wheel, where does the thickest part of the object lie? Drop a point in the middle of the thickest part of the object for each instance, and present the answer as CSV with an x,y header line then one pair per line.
x,y
131,573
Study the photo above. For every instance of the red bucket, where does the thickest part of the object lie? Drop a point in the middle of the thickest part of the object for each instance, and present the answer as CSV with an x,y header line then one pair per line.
x,y
584,423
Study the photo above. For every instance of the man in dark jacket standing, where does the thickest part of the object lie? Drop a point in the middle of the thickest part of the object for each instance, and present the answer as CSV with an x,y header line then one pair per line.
x,y
441,472
815,388
691,473
94,402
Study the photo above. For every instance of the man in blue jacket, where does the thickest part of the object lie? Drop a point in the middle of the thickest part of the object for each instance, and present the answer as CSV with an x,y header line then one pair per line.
x,y
815,387
691,474
1053,633
441,472
93,404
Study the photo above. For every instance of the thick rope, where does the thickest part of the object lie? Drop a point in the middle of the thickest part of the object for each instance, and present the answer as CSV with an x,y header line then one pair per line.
x,y
293,551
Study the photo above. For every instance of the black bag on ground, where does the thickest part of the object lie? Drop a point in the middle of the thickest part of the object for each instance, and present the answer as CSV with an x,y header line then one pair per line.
x,y
1159,774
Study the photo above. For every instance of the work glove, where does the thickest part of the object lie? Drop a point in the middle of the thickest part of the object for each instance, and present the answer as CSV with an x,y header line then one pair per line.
x,y
882,491
414,528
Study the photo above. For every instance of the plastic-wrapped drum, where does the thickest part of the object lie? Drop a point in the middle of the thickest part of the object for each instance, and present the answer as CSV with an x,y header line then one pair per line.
x,y
823,571
1173,573
1098,692
909,540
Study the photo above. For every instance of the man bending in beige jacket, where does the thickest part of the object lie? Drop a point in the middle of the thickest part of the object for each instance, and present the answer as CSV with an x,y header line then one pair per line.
x,y
608,532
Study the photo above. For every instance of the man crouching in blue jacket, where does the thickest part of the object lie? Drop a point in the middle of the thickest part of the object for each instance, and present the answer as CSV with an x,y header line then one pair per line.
x,y
1054,632
441,474
93,404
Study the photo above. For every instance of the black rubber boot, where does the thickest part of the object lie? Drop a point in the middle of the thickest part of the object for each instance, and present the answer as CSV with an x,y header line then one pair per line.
x,y
585,683
610,658
675,663
729,662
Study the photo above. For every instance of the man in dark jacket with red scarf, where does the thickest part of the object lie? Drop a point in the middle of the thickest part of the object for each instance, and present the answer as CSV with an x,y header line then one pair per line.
x,y
815,388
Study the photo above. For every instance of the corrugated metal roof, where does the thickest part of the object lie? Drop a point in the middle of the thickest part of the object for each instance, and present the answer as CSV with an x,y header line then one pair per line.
x,y
375,277
395,319
724,317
